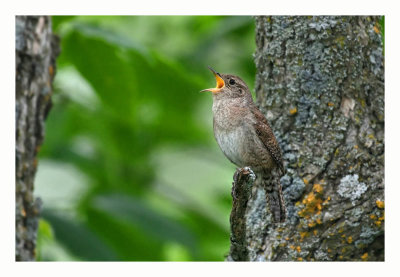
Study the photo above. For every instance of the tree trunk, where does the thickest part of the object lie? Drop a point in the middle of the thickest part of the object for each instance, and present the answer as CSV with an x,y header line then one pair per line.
x,y
320,83
35,49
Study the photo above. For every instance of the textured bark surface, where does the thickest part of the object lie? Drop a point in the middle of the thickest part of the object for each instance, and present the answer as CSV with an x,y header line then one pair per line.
x,y
35,49
243,180
320,83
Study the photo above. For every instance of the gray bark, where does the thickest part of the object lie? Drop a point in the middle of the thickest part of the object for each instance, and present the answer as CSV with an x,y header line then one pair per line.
x,y
35,49
320,83
243,180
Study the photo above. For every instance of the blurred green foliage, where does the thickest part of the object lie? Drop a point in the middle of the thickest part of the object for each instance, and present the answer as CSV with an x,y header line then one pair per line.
x,y
129,169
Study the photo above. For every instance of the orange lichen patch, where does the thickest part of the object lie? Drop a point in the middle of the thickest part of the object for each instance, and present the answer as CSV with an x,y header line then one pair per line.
x,y
292,246
341,257
315,232
293,111
311,224
378,223
376,30
287,238
350,239
298,249
305,181
309,198
382,217
365,256
329,250
297,203
312,202
330,104
23,212
356,146
372,216
341,230
317,188
380,204
304,234
312,205
51,70
299,259
343,236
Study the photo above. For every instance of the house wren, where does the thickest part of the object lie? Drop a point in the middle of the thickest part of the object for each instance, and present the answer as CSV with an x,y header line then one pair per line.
x,y
246,138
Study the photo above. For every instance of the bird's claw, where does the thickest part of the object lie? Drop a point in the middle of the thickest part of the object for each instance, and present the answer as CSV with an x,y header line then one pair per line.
x,y
237,176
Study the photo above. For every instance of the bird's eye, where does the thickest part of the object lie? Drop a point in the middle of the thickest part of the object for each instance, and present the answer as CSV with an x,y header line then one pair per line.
x,y
232,82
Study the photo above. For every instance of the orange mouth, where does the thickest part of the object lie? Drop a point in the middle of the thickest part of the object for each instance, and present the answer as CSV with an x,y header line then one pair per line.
x,y
220,82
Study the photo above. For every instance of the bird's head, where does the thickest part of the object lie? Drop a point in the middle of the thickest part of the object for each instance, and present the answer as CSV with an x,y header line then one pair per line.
x,y
228,86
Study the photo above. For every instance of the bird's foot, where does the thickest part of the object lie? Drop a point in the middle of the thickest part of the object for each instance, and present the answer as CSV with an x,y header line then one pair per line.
x,y
248,170
249,176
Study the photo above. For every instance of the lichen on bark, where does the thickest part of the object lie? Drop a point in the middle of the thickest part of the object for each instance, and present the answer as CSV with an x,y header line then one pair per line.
x,y
243,181
36,49
320,83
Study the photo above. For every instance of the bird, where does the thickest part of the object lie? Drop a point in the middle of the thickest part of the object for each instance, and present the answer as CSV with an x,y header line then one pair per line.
x,y
246,138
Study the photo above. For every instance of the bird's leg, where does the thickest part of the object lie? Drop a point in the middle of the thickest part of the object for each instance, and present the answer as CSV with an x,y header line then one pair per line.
x,y
247,173
253,177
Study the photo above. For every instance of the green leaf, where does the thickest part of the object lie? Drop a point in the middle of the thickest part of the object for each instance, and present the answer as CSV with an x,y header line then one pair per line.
x,y
81,241
106,70
131,244
57,21
96,32
137,213
175,252
45,231
154,97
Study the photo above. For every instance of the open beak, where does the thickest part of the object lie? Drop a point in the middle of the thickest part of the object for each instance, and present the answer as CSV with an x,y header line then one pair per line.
x,y
220,82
